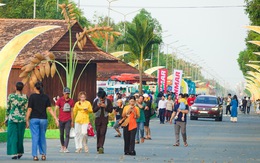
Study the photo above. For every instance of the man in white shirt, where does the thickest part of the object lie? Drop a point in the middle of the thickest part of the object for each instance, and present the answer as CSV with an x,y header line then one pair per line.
x,y
228,104
162,108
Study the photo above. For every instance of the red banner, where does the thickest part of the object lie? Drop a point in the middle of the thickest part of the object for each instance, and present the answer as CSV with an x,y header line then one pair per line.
x,y
162,79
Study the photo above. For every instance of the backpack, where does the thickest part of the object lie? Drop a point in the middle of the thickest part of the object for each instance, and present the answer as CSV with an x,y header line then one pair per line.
x,y
182,106
66,107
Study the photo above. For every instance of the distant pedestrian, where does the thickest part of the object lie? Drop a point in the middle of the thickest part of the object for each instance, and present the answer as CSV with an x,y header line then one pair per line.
x,y
234,106
81,111
15,116
248,105
191,100
101,107
244,105
141,120
228,104
148,114
36,119
180,125
130,114
169,108
117,96
162,107
257,106
118,116
65,105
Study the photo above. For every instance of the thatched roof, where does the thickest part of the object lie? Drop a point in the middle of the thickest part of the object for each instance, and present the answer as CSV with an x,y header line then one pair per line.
x,y
56,40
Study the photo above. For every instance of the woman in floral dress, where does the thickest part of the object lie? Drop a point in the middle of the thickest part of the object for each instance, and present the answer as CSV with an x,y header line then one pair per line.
x,y
15,115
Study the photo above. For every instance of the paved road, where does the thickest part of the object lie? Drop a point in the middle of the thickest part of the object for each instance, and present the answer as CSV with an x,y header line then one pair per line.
x,y
209,142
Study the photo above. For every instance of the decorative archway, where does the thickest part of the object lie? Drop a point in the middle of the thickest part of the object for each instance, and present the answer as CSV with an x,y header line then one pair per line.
x,y
11,50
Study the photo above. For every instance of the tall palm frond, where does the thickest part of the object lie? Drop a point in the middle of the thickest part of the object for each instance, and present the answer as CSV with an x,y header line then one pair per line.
x,y
139,38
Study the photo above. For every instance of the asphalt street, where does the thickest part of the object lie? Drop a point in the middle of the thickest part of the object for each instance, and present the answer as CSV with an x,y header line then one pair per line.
x,y
209,142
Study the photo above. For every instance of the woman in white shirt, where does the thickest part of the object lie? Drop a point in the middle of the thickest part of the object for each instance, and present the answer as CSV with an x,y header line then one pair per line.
x,y
162,108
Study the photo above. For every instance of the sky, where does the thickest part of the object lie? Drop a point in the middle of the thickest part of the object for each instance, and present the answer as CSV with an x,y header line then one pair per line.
x,y
214,36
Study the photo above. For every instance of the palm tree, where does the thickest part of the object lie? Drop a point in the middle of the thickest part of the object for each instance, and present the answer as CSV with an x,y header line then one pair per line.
x,y
139,38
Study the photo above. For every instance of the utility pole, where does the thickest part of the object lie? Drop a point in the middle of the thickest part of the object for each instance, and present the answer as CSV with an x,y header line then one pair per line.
x,y
34,9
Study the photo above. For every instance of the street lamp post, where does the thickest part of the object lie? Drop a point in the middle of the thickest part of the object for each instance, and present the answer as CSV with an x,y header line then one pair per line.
x,y
108,19
57,6
158,54
34,9
167,46
176,49
78,3
124,21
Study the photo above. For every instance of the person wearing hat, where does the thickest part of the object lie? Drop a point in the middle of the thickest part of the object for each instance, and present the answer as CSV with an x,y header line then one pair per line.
x,y
65,105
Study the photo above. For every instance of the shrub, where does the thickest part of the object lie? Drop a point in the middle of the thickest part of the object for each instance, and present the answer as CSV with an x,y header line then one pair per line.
x,y
51,121
2,118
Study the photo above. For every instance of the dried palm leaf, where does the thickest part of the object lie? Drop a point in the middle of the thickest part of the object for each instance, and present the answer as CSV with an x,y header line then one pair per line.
x,y
31,83
106,36
38,74
51,56
33,77
53,69
35,60
116,33
39,56
79,45
29,68
47,69
42,70
111,38
25,80
23,74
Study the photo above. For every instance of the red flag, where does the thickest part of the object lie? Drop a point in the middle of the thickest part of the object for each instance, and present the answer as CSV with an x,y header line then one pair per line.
x,y
162,79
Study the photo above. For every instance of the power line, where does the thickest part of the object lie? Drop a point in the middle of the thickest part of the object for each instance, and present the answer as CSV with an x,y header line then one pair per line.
x,y
167,7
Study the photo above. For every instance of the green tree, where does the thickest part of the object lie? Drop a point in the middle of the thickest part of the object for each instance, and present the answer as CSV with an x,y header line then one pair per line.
x,y
253,11
140,37
45,9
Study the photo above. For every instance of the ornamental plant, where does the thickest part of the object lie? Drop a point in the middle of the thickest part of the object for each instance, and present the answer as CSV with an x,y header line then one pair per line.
x,y
44,65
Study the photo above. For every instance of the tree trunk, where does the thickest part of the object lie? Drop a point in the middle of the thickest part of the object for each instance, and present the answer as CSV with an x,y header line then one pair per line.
x,y
141,72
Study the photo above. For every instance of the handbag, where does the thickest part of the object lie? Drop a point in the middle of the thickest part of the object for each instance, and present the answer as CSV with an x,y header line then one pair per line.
x,y
72,133
124,122
90,130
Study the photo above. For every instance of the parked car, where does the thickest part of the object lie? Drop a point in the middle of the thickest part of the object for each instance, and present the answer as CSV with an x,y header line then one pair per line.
x,y
206,106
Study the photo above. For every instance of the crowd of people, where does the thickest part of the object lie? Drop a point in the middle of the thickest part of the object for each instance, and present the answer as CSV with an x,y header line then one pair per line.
x,y
244,104
133,116
23,112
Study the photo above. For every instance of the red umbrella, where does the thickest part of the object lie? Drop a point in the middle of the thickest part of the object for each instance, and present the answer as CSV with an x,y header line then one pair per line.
x,y
125,78
129,74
